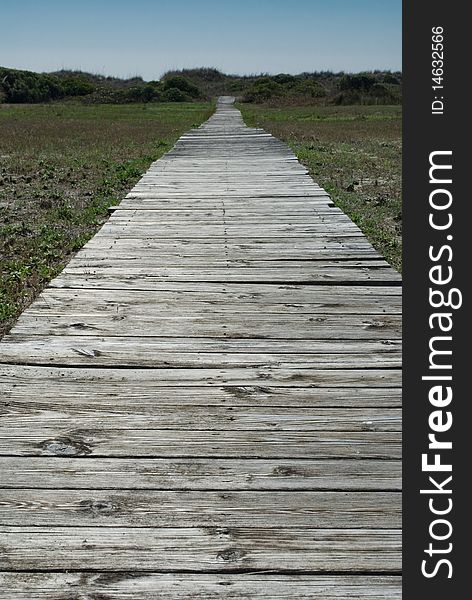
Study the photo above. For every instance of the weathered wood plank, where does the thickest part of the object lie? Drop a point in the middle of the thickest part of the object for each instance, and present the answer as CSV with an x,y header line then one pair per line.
x,y
196,549
89,389
149,586
206,353
199,474
118,230
152,415
303,274
206,324
144,281
13,377
249,244
225,262
196,255
105,442
220,264
244,298
147,200
143,303
146,508
231,215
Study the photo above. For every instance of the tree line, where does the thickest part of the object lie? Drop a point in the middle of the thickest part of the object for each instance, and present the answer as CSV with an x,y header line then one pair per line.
x,y
376,87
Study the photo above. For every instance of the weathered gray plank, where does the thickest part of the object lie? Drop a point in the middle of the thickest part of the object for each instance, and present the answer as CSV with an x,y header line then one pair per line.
x,y
198,474
150,586
13,377
90,389
151,415
257,247
311,274
196,549
103,442
148,282
242,298
197,323
146,508
162,352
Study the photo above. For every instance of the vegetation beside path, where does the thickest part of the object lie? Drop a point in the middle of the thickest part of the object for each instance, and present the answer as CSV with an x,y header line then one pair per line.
x,y
61,167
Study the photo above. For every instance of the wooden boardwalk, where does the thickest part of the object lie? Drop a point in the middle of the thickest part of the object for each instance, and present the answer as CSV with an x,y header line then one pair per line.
x,y
206,402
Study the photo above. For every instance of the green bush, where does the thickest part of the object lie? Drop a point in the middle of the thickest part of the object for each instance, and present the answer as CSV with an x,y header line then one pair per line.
x,y
263,89
361,82
141,93
76,86
378,94
285,79
174,94
389,78
308,88
23,86
187,88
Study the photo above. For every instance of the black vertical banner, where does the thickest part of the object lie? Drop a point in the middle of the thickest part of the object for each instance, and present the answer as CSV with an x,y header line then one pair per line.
x,y
437,323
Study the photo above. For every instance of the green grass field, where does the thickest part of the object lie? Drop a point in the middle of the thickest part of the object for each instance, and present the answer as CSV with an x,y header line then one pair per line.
x,y
61,167
354,152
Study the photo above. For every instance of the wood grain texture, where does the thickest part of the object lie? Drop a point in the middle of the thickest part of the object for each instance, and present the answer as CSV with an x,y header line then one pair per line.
x,y
199,509
55,379
249,325
197,352
189,586
205,403
199,474
197,549
128,397
241,299
71,441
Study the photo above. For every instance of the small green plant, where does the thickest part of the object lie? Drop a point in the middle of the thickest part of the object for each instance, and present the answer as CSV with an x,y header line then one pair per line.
x,y
8,309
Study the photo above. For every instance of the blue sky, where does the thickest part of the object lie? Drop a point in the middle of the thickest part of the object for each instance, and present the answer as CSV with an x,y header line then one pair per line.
x,y
148,37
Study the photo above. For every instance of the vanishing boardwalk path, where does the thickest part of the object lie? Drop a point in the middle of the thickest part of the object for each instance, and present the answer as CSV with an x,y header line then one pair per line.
x,y
205,403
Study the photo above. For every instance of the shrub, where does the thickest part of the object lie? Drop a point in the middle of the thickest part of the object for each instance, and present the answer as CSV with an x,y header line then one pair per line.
x,y
308,88
23,86
76,86
141,93
263,89
361,82
378,94
173,94
285,79
389,78
183,85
